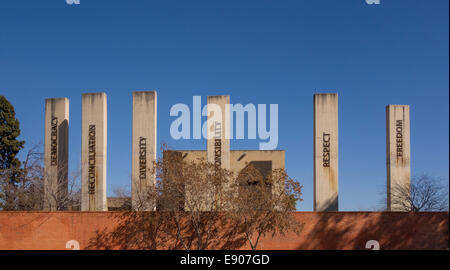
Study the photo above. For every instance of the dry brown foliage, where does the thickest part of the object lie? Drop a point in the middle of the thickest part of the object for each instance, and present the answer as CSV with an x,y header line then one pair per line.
x,y
203,204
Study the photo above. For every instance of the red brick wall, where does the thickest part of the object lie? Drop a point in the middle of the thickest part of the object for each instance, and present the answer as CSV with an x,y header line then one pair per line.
x,y
335,230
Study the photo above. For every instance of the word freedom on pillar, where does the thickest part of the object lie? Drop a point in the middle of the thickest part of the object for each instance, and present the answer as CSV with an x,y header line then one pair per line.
x,y
399,137
181,127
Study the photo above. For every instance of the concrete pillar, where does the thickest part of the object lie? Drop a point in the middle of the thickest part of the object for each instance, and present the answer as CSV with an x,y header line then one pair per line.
x,y
144,148
218,142
93,152
397,153
326,152
56,153
218,139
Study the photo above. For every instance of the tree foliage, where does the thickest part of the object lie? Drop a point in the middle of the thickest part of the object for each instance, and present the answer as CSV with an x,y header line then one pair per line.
x,y
207,207
9,131
263,205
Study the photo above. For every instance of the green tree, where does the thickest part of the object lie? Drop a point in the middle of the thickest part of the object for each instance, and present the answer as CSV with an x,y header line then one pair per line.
x,y
9,131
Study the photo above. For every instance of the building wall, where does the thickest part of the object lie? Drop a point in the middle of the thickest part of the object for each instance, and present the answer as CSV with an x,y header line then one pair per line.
x,y
321,230
241,158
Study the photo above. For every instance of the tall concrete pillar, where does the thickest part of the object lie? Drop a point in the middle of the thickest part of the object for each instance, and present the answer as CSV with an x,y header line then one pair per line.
x,y
56,153
397,155
326,152
144,148
93,152
218,139
218,142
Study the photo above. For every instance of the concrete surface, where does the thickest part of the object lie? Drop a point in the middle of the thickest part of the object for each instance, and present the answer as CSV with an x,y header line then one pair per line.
x,y
56,152
143,147
326,167
93,152
398,159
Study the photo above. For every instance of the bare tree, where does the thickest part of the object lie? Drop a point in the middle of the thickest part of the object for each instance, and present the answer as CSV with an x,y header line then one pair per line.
x,y
121,200
264,205
27,193
199,199
425,193
65,194
202,206
191,195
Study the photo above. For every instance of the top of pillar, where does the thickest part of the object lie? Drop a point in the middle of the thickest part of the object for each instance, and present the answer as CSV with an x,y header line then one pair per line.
x,y
94,94
325,97
57,99
396,105
217,98
145,92
325,94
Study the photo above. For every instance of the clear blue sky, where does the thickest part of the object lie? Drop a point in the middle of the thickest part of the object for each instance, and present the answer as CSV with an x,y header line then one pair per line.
x,y
257,51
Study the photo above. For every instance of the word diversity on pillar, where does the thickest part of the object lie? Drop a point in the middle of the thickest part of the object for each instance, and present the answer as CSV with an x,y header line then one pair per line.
x,y
143,148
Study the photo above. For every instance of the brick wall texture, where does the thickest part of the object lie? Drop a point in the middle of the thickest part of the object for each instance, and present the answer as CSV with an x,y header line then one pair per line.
x,y
321,230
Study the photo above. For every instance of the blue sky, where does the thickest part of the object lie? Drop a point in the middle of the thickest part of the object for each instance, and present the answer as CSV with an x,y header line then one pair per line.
x,y
256,51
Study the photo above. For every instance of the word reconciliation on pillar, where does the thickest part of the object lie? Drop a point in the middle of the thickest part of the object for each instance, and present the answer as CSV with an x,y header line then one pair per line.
x,y
92,168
